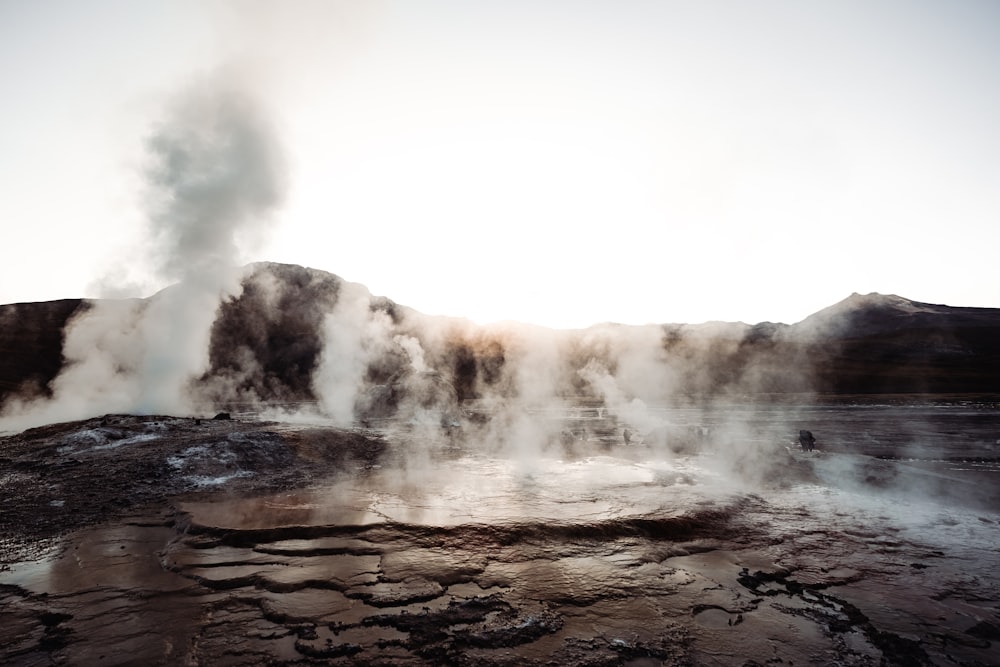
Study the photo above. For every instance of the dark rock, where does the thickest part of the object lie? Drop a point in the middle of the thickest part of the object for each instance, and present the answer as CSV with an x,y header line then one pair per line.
x,y
984,630
51,618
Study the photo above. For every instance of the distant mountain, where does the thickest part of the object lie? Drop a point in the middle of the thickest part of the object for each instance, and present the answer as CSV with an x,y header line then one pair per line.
x,y
879,343
267,343
871,314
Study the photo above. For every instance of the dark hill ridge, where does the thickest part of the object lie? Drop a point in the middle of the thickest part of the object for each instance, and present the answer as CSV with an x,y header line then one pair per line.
x,y
31,344
267,343
871,314
888,344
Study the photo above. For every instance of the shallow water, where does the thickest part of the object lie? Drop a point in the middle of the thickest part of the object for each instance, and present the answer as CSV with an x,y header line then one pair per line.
x,y
478,490
593,552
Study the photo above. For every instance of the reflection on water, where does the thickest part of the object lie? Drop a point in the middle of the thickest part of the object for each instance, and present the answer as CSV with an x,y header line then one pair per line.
x,y
478,490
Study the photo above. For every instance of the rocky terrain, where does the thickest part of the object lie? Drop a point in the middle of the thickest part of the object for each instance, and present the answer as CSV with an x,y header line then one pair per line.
x,y
61,477
163,540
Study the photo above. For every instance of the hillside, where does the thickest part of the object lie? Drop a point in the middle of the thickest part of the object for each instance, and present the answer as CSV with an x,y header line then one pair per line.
x,y
888,344
268,342
31,344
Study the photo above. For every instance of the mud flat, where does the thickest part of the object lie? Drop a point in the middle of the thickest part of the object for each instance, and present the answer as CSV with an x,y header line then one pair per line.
x,y
175,541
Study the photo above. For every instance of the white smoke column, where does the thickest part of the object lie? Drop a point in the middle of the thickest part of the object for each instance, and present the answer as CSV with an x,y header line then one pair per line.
x,y
414,351
524,426
216,175
352,337
420,390
176,330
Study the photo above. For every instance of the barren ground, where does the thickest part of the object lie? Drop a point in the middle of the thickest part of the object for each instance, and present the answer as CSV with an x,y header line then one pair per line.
x,y
161,540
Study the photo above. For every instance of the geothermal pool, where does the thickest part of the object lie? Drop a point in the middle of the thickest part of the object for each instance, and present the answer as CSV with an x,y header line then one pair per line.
x,y
702,541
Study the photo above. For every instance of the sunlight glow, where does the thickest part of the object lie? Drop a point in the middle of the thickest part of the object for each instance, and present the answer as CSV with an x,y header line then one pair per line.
x,y
655,162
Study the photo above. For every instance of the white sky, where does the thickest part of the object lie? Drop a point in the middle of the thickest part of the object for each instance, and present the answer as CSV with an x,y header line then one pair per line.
x,y
562,163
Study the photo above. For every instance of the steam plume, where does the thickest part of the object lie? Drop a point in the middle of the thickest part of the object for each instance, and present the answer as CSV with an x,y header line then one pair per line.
x,y
215,177
354,337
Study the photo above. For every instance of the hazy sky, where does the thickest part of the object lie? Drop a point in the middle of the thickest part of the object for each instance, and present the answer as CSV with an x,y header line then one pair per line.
x,y
562,163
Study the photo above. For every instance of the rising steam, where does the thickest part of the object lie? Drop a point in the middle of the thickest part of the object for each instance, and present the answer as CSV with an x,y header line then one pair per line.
x,y
354,337
215,176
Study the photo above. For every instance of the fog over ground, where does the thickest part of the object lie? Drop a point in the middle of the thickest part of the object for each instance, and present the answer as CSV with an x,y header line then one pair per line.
x,y
304,347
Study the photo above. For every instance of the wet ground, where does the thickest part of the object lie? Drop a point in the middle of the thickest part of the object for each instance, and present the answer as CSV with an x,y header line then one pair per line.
x,y
131,540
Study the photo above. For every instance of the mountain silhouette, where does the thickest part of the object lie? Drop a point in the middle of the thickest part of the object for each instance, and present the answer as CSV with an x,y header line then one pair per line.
x,y
267,343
